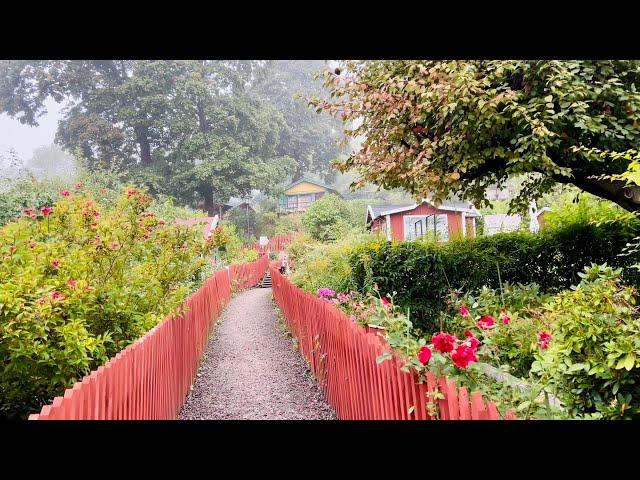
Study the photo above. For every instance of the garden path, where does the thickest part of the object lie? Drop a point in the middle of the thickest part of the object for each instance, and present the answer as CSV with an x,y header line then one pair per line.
x,y
250,370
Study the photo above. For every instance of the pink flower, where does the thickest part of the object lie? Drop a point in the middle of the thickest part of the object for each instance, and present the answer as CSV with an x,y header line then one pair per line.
x,y
161,222
385,302
114,245
96,213
46,211
57,296
93,226
325,292
543,339
65,193
31,244
463,355
28,211
424,355
55,263
444,342
352,318
78,185
486,322
464,311
72,283
506,319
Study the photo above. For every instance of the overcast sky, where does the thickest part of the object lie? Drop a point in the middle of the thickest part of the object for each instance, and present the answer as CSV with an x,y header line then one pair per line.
x,y
25,139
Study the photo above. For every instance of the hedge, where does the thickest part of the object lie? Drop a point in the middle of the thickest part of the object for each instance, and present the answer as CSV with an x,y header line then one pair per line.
x,y
421,273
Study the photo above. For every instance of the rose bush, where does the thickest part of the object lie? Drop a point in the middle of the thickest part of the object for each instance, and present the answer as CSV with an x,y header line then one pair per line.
x,y
79,281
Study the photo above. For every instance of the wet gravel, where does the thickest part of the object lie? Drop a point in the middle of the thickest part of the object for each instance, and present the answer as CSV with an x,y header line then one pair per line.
x,y
251,371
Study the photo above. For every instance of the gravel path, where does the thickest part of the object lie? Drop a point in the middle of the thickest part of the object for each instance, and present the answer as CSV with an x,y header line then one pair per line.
x,y
250,370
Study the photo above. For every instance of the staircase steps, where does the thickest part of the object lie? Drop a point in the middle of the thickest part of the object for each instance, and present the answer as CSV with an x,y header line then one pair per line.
x,y
266,280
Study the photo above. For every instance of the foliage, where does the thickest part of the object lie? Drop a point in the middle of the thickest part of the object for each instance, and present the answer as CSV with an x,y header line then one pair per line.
x,y
513,344
312,140
583,208
244,219
188,128
321,265
593,359
326,219
444,127
79,281
50,162
421,273
26,191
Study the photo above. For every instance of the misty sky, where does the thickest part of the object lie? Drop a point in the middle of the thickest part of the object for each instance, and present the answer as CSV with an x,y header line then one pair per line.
x,y
25,139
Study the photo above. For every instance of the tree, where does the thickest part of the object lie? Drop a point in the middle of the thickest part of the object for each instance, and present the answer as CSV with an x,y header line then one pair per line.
x,y
444,127
187,128
51,162
312,140
327,219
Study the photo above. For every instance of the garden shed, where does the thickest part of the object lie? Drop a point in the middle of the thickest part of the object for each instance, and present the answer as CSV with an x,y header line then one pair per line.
x,y
452,218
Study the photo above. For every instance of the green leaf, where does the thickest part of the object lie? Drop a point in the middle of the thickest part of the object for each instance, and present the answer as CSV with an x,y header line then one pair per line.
x,y
383,357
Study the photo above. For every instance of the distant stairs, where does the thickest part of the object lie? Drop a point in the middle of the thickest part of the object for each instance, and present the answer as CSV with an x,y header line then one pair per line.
x,y
266,280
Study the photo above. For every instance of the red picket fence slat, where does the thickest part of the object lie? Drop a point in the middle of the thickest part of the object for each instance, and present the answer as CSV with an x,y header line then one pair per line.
x,y
151,378
277,243
342,357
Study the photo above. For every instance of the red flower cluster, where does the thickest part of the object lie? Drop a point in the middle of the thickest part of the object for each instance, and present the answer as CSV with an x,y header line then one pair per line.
x,y
462,352
78,186
72,283
486,322
506,319
543,339
56,263
464,311
46,211
444,342
65,193
57,296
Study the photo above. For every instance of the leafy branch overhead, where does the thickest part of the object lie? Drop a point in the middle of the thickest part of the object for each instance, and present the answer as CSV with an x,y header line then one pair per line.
x,y
444,127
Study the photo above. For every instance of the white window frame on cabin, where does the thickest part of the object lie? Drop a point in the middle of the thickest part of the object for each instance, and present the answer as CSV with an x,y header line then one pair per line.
x,y
441,226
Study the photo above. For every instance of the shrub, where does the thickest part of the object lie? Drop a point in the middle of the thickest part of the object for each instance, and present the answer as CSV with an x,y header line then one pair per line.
x,y
80,282
593,357
327,219
25,192
513,307
423,272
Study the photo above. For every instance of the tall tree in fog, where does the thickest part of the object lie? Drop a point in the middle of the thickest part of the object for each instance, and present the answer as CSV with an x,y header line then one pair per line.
x,y
309,138
187,128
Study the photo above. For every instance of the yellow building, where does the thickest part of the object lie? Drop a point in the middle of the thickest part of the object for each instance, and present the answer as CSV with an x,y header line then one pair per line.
x,y
299,195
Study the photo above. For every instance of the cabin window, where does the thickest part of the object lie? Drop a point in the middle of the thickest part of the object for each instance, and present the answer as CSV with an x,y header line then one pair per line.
x,y
292,201
304,201
435,226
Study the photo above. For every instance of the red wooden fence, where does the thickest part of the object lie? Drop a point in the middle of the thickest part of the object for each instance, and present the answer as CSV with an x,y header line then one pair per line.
x,y
342,356
276,244
150,379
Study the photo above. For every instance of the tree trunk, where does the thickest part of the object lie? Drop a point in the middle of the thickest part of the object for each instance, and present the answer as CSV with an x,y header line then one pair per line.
x,y
628,197
142,137
207,195
297,175
202,119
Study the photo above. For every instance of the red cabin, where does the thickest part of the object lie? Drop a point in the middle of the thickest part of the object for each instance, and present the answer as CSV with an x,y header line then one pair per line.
x,y
453,218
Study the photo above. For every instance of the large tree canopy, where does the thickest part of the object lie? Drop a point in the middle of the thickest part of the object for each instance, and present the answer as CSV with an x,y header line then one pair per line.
x,y
443,127
312,140
192,129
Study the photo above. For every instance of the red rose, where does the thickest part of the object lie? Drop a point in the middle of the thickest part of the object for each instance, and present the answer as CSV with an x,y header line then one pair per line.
x,y
471,340
444,342
486,322
463,355
424,355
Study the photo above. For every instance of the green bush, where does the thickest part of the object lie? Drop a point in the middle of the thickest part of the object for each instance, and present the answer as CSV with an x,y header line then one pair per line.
x,y
593,358
27,191
79,284
512,344
327,219
421,273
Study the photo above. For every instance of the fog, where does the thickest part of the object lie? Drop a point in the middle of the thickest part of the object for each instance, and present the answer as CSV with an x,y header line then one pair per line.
x,y
25,139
